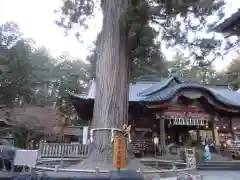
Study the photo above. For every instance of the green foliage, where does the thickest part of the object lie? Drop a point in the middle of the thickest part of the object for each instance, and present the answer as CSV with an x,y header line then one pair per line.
x,y
177,19
92,59
16,66
232,74
9,34
72,72
141,34
31,76
184,68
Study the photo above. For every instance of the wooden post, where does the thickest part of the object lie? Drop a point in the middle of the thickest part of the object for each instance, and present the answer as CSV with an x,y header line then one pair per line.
x,y
30,169
231,126
213,128
56,168
198,135
97,170
162,135
215,131
12,166
40,149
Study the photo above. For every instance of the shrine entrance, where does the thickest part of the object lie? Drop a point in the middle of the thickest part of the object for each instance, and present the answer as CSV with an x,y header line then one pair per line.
x,y
178,135
188,135
187,124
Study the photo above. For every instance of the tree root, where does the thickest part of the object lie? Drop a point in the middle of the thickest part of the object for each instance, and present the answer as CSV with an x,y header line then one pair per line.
x,y
101,156
104,161
134,164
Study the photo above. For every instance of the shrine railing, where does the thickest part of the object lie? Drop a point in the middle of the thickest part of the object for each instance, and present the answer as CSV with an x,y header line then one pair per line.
x,y
62,150
67,150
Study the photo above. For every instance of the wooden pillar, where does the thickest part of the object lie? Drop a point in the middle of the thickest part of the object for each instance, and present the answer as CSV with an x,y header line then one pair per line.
x,y
213,128
198,135
231,126
162,134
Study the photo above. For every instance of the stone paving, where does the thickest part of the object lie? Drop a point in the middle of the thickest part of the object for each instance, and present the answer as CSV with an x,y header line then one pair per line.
x,y
207,175
220,175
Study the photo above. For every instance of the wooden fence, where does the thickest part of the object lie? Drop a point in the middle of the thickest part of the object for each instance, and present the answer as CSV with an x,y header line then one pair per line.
x,y
62,150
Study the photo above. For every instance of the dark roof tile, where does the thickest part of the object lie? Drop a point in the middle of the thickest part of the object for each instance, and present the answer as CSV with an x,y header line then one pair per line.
x,y
227,22
224,95
151,91
159,86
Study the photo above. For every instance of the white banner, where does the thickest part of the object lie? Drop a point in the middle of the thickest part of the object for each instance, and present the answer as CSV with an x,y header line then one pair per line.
x,y
85,135
188,122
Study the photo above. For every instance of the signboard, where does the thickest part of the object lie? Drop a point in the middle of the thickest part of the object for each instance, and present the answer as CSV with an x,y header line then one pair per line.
x,y
119,154
188,122
190,158
190,112
26,158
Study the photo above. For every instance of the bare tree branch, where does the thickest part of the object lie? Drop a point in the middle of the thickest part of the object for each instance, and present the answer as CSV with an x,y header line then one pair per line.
x,y
40,119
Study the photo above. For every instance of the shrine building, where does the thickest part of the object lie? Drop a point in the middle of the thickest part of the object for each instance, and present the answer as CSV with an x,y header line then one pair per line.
x,y
178,111
229,26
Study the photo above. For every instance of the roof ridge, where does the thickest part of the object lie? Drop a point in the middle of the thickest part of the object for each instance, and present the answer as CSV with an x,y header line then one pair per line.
x,y
160,87
171,92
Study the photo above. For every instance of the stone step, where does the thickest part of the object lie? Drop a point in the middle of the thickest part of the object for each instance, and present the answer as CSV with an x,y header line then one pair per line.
x,y
214,165
54,162
218,168
211,165
222,162
164,165
226,165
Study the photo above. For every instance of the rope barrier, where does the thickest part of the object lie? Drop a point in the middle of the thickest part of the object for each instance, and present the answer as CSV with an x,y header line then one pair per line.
x,y
126,130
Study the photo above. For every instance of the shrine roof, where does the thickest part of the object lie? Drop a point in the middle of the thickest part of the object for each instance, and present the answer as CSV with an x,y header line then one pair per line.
x,y
167,88
137,90
222,94
79,96
228,22
159,86
134,89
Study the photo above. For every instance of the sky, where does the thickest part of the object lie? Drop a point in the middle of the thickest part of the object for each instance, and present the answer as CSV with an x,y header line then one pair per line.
x,y
36,20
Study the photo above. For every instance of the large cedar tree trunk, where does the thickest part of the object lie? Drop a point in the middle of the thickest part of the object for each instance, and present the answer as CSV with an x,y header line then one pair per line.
x,y
112,87
112,84
112,72
112,75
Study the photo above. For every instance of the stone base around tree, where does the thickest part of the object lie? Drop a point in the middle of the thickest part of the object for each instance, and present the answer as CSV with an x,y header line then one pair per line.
x,y
113,175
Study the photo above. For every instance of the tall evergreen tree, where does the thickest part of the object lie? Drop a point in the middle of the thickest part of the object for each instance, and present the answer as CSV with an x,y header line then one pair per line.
x,y
128,41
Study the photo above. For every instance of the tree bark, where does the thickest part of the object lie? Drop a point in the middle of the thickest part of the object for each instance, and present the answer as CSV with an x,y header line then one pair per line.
x,y
112,88
112,83
112,78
